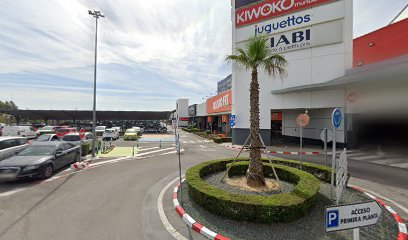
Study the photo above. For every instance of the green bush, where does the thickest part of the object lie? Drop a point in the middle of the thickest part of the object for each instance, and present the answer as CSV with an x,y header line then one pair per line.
x,y
222,139
254,208
85,148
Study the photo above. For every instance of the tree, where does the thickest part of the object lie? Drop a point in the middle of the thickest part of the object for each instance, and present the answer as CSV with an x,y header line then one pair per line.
x,y
257,55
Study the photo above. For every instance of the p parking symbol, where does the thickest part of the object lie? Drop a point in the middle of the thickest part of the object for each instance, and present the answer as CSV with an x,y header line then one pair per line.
x,y
332,218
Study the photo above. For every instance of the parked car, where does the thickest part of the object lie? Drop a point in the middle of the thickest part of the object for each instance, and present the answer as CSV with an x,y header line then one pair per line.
x,y
23,131
99,130
151,129
131,134
47,138
9,146
110,134
117,129
61,132
39,160
47,130
85,143
138,130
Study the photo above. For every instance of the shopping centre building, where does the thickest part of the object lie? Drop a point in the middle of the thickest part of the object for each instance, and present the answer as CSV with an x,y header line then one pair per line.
x,y
366,77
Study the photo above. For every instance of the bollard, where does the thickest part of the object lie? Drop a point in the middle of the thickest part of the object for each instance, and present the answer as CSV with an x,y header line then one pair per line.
x,y
160,144
133,150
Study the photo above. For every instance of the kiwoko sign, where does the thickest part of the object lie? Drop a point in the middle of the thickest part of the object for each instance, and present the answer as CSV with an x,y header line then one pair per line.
x,y
272,8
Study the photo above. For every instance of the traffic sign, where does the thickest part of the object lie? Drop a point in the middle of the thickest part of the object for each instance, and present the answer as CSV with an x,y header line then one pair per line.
x,y
232,123
303,120
232,117
352,216
337,118
329,136
82,133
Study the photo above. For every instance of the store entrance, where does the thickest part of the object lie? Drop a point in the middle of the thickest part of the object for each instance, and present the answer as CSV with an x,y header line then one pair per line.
x,y
276,126
382,132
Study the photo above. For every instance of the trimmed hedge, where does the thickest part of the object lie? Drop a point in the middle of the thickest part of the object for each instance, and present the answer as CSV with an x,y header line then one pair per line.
x,y
222,139
253,208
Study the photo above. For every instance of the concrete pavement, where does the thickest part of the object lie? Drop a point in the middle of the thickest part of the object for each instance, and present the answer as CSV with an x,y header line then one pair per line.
x,y
119,200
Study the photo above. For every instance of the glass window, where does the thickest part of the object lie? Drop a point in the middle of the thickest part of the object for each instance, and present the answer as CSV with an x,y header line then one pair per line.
x,y
89,136
22,141
37,150
43,138
68,146
9,143
71,138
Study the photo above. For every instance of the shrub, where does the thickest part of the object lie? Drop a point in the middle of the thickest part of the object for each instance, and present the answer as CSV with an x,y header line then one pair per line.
x,y
222,139
254,208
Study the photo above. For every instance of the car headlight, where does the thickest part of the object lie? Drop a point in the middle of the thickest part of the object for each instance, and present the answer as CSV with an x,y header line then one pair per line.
x,y
30,168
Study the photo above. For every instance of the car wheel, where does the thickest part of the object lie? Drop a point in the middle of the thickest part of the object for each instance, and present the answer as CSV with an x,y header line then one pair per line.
x,y
48,171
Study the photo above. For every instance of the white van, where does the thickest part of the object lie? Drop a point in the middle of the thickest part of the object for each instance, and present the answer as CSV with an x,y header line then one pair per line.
x,y
23,131
9,146
99,130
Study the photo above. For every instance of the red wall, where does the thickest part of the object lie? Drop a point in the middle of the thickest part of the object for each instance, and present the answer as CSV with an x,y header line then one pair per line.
x,y
389,42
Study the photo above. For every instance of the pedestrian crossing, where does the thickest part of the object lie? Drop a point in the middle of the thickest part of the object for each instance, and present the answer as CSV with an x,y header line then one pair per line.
x,y
377,157
195,141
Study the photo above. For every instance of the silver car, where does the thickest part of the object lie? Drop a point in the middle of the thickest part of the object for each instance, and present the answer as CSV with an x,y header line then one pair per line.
x,y
10,146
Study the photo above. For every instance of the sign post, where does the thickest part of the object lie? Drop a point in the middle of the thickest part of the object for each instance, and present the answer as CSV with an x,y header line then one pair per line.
x,y
326,137
352,216
232,121
302,120
336,121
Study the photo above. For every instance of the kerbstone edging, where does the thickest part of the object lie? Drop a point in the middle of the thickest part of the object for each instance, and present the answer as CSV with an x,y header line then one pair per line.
x,y
191,222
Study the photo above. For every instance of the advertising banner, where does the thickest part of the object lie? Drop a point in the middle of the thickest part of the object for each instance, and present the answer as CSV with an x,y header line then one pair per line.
x,y
224,84
192,110
272,8
220,103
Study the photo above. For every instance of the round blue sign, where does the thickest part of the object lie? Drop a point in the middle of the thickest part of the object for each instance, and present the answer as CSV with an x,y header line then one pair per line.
x,y
336,118
232,123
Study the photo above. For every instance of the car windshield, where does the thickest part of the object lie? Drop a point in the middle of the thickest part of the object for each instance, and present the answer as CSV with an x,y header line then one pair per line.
x,y
100,128
131,131
110,131
71,138
37,150
47,128
43,138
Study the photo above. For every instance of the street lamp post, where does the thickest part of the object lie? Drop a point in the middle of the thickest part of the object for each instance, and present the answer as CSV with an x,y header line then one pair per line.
x,y
96,15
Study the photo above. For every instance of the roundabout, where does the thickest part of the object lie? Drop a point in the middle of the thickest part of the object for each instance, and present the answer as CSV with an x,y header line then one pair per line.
x,y
294,214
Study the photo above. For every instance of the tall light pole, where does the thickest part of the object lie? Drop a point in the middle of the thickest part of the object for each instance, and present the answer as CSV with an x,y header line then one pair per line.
x,y
96,15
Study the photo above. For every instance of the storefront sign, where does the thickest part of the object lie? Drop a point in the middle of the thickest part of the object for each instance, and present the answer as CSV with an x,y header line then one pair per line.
x,y
224,85
272,8
302,19
184,119
209,119
192,110
277,116
225,118
220,103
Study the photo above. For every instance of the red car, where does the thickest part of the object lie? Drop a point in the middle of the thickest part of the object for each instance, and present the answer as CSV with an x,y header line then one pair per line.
x,y
60,132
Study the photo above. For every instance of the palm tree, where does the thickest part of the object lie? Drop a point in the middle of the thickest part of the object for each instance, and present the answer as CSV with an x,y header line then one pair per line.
x,y
257,55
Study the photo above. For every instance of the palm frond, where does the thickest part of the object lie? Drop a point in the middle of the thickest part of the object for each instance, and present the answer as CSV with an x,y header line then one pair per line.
x,y
275,64
240,60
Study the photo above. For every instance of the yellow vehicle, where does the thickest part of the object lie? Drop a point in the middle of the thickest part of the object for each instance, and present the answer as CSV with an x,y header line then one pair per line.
x,y
131,135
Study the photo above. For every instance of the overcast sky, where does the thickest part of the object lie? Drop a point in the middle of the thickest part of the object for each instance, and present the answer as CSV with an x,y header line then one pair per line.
x,y
150,52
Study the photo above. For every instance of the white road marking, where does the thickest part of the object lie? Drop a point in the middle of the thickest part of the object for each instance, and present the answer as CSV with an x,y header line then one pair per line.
x,y
6,194
167,225
181,150
145,149
161,150
384,198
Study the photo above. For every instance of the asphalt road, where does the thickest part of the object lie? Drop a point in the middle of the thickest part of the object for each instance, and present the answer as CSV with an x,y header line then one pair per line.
x,y
118,199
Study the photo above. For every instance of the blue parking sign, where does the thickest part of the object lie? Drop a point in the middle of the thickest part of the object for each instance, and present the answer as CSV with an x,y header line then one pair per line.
x,y
332,218
232,117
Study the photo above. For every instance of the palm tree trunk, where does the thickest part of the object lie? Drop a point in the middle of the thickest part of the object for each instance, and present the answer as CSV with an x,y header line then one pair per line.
x,y
255,177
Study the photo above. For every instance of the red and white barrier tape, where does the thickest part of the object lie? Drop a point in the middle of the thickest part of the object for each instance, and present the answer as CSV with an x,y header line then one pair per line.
x,y
79,165
402,227
278,152
191,222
